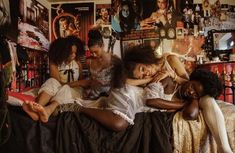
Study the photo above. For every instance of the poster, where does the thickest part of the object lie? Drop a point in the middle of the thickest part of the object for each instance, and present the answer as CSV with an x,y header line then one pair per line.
x,y
103,16
72,19
9,11
33,25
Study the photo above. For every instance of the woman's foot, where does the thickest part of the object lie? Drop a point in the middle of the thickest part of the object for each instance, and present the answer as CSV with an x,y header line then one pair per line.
x,y
28,108
43,115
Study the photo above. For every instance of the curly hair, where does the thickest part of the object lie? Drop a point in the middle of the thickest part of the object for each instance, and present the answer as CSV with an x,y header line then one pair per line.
x,y
60,49
210,81
136,55
118,73
95,38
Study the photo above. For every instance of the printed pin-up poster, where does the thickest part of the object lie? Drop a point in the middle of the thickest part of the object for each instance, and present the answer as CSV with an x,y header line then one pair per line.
x,y
71,19
103,16
130,15
33,25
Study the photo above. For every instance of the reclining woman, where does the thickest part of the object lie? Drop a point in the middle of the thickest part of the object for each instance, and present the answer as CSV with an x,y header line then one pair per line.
x,y
199,92
126,100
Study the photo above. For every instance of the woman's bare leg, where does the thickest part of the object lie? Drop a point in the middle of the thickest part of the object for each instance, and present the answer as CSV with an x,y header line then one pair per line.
x,y
28,108
45,112
215,121
43,98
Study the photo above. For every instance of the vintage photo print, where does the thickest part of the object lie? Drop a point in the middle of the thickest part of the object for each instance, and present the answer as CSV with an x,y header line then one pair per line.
x,y
171,33
153,42
130,43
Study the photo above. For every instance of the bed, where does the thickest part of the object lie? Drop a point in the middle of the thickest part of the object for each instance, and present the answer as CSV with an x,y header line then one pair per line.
x,y
72,132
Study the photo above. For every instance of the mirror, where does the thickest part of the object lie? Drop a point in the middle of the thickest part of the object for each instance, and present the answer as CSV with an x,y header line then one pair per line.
x,y
223,40
219,43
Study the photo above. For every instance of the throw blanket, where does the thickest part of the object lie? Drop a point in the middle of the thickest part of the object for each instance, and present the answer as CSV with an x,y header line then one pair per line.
x,y
194,136
72,132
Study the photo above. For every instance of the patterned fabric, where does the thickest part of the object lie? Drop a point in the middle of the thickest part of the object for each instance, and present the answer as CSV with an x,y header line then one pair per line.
x,y
104,77
194,136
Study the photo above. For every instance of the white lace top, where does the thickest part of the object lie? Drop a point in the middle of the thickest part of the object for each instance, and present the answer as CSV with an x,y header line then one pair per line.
x,y
69,72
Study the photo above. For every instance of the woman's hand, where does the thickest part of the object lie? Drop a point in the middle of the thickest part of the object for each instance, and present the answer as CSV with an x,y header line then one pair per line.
x,y
94,83
191,110
160,76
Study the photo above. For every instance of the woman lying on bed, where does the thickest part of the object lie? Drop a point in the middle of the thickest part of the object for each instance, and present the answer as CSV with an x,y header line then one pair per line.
x,y
201,90
127,100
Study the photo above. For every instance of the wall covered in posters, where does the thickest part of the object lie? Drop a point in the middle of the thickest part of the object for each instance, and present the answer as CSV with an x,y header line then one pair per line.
x,y
180,26
33,25
72,19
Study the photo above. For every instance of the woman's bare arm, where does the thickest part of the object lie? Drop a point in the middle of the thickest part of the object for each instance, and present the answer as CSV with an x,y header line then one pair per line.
x,y
191,110
137,82
164,104
180,71
54,71
80,69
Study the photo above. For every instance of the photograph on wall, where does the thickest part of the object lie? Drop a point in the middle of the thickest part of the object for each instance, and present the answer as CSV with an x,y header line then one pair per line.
x,y
125,15
103,16
71,19
171,33
33,25
9,18
130,43
153,42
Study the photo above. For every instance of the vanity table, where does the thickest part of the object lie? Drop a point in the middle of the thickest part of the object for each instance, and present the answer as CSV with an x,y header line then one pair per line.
x,y
226,71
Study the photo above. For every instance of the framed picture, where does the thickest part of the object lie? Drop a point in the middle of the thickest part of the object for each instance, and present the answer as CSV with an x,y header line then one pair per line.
x,y
103,16
162,33
153,42
130,43
171,33
179,32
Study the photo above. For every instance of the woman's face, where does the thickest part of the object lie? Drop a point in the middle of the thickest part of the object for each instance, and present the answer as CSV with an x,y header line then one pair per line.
x,y
162,4
104,12
191,90
73,53
96,51
144,71
125,11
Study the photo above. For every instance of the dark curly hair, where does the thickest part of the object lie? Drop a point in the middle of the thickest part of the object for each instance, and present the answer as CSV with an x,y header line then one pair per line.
x,y
118,73
138,54
60,49
210,81
95,38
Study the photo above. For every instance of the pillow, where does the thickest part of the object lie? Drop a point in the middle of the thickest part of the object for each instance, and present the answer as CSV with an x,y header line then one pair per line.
x,y
17,99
